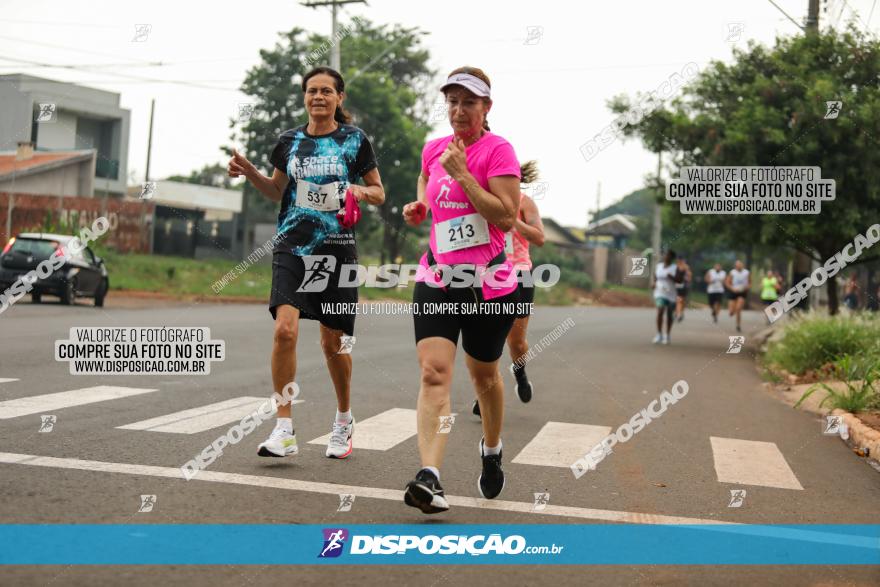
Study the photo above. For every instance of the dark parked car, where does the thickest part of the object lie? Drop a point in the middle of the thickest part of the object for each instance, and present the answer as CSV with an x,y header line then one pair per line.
x,y
82,275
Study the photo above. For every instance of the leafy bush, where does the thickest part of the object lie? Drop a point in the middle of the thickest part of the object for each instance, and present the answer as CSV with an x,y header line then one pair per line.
x,y
859,377
814,339
571,266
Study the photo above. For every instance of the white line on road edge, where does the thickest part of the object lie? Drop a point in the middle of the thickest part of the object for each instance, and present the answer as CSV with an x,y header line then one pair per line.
x,y
334,489
7,380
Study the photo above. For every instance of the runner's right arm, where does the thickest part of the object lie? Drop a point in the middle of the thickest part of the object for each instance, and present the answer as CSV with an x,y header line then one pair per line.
x,y
271,187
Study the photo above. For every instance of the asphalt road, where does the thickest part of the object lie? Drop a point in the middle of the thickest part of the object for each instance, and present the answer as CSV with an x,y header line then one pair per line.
x,y
599,373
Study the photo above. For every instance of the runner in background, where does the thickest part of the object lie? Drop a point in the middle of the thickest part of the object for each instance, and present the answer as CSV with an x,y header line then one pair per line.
x,y
770,288
683,278
664,295
470,181
738,284
527,229
851,292
715,288
317,166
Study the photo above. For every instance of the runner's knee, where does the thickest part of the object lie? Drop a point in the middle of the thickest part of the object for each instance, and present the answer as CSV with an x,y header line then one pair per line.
x,y
285,333
435,373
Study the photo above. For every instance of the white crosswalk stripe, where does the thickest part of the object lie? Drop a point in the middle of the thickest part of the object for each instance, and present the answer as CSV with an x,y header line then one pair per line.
x,y
559,444
195,420
381,432
49,402
7,380
751,462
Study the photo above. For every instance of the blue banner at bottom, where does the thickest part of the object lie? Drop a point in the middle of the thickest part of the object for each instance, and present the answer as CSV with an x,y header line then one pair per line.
x,y
525,544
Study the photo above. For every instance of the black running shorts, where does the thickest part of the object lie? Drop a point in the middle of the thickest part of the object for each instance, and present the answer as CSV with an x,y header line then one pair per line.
x,y
326,302
526,296
715,298
445,313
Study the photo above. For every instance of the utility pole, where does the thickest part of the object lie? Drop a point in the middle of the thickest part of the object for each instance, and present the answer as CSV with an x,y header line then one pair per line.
x,y
152,224
334,41
812,24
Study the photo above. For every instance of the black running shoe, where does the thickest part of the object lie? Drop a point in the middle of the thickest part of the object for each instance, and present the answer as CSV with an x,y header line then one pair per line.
x,y
424,492
491,481
475,410
523,385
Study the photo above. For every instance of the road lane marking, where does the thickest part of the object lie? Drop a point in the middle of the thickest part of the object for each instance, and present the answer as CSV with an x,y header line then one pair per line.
x,y
7,380
335,490
752,462
49,402
382,431
197,420
559,444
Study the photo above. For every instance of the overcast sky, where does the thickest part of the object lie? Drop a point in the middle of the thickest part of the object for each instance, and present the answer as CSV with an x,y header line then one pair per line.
x,y
550,90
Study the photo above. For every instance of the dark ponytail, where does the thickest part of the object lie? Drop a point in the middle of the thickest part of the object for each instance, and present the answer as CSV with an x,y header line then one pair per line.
x,y
341,115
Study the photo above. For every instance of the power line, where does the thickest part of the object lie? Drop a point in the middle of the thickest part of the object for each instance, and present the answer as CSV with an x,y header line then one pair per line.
x,y
123,75
796,23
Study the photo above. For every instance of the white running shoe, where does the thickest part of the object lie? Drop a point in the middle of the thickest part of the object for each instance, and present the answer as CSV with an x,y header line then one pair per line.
x,y
657,338
665,339
340,444
281,443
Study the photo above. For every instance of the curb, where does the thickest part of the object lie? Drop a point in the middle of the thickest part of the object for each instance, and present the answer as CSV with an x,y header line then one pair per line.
x,y
861,435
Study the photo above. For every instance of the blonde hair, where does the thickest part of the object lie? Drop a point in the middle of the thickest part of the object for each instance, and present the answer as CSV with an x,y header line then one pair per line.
x,y
477,73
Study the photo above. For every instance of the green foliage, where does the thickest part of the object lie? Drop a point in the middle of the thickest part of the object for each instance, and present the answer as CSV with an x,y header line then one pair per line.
x,y
859,377
571,267
768,108
814,340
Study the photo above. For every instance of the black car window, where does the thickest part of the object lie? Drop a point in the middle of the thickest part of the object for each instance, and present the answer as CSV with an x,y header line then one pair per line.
x,y
38,248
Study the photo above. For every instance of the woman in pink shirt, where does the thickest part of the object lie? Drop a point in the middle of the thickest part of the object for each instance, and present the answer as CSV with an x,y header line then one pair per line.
x,y
470,183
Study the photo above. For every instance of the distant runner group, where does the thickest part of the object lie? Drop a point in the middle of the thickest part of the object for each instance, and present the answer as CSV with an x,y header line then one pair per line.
x,y
672,280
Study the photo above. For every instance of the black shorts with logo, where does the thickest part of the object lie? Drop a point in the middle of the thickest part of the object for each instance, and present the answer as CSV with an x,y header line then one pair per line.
x,y
322,298
526,296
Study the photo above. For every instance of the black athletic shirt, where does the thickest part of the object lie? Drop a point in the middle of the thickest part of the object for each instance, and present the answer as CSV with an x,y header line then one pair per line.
x,y
344,155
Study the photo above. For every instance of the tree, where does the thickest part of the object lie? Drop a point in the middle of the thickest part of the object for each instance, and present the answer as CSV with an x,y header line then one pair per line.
x,y
768,108
386,74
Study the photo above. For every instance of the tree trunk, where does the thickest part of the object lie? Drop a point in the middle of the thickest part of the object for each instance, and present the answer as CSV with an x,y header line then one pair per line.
x,y
831,284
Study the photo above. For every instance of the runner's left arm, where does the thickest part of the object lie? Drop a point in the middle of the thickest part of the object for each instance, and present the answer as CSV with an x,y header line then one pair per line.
x,y
373,192
532,228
